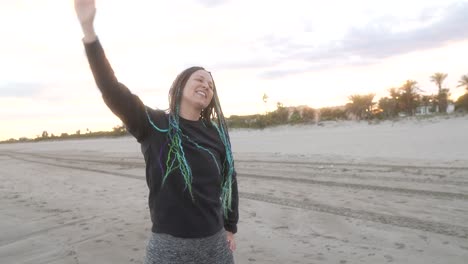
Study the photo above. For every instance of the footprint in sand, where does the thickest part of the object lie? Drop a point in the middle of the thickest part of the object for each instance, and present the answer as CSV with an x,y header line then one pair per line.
x,y
321,257
255,250
388,258
281,227
400,245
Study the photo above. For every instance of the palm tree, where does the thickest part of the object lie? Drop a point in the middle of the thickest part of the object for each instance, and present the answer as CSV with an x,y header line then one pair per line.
x,y
409,96
265,100
392,105
429,103
462,102
361,105
438,78
442,97
463,82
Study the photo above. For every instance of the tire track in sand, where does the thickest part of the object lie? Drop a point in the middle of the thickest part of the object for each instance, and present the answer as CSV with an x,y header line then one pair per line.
x,y
361,186
399,221
356,186
283,162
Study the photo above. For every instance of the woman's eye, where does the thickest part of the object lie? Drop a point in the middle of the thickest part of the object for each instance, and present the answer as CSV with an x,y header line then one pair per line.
x,y
201,80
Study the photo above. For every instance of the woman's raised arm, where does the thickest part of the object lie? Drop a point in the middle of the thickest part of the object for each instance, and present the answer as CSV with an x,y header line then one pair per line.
x,y
124,104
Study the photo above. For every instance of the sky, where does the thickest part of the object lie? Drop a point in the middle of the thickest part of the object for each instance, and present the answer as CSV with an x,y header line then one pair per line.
x,y
298,52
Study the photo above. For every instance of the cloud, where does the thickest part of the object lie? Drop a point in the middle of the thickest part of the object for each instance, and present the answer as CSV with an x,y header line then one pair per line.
x,y
212,3
20,90
379,42
379,39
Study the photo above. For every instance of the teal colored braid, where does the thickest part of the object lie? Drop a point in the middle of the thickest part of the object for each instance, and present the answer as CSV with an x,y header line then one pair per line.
x,y
153,125
228,163
205,149
176,159
176,155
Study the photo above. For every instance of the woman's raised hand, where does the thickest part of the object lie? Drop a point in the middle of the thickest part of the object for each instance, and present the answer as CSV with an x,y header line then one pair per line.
x,y
86,11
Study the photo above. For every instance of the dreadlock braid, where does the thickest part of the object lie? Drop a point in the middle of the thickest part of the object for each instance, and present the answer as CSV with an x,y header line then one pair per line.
x,y
228,163
176,159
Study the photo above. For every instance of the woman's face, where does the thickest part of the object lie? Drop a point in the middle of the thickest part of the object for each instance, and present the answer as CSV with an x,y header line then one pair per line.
x,y
198,90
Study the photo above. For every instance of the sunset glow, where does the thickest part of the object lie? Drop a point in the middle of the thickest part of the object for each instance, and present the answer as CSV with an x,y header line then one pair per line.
x,y
298,52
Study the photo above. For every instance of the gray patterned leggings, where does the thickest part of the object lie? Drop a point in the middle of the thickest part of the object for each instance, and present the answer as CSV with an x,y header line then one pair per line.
x,y
166,249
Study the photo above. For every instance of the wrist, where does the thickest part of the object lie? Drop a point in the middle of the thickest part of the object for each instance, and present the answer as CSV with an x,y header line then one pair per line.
x,y
89,35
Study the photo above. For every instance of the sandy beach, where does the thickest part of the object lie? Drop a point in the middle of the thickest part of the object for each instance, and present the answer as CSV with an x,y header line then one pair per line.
x,y
343,192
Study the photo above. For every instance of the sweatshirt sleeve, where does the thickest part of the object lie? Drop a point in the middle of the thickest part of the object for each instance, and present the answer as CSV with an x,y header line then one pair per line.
x,y
125,105
230,224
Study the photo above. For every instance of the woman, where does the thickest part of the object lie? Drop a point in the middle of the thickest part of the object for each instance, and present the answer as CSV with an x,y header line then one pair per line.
x,y
193,198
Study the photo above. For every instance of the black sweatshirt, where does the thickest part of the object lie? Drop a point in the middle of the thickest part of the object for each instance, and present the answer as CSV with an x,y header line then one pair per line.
x,y
173,210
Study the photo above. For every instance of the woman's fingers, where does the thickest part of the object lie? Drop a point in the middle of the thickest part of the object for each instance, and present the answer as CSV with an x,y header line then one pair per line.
x,y
85,11
232,245
231,241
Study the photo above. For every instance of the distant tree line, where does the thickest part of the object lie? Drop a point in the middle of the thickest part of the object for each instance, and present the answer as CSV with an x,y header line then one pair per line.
x,y
403,100
117,131
282,115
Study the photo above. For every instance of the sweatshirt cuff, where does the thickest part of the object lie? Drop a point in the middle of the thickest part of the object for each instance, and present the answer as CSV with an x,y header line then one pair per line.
x,y
231,228
92,46
90,43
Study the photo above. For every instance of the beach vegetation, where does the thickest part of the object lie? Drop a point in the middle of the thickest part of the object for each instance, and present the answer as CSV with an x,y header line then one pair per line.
x,y
443,93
